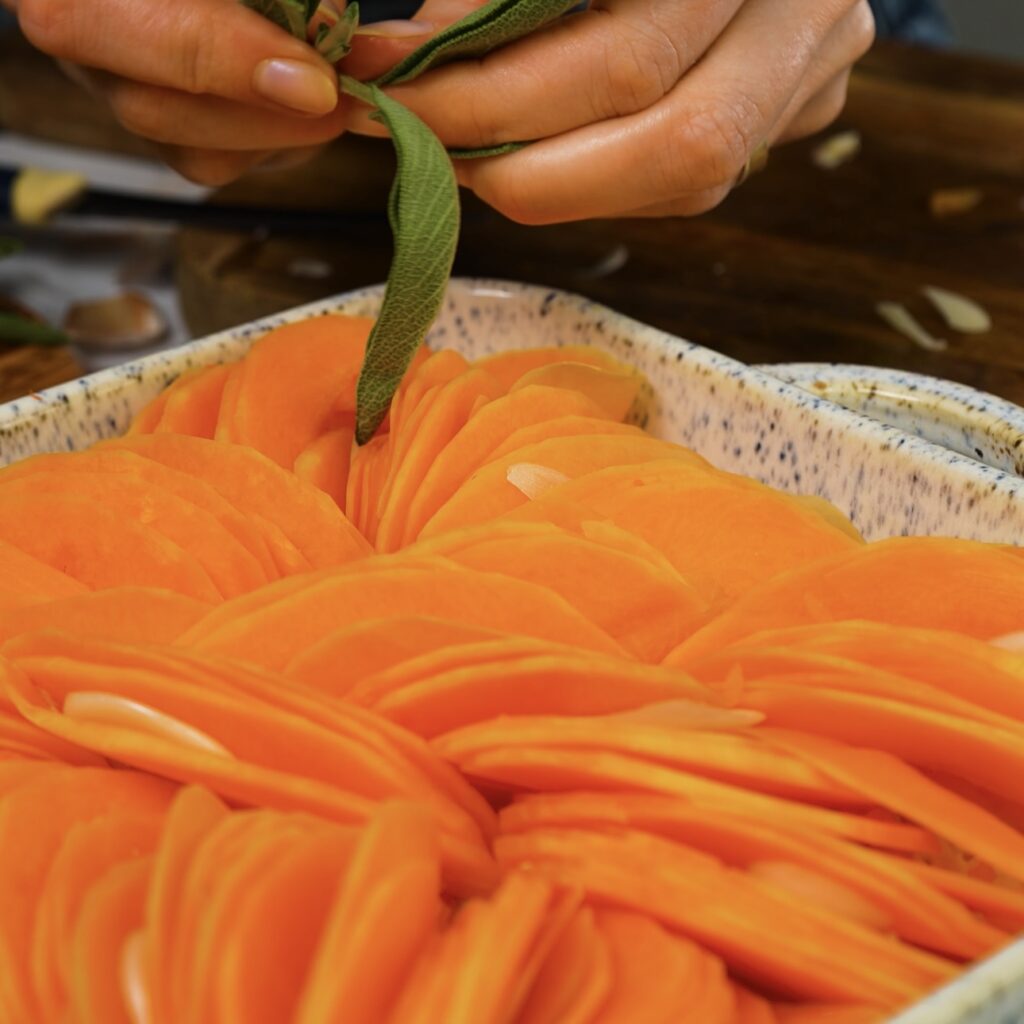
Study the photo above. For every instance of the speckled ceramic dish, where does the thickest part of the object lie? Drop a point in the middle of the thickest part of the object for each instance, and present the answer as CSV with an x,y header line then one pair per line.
x,y
970,422
888,480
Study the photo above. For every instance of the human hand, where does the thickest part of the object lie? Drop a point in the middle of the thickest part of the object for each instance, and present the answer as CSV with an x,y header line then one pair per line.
x,y
640,107
218,88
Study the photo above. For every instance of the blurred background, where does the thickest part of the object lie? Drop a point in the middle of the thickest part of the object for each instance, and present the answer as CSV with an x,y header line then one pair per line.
x,y
929,191
989,26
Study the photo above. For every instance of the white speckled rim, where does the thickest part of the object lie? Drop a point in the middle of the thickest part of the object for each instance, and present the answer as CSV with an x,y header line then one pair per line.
x,y
888,481
973,423
990,993
742,419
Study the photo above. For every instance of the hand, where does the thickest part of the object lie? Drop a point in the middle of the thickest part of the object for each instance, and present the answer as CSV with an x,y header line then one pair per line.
x,y
641,107
217,87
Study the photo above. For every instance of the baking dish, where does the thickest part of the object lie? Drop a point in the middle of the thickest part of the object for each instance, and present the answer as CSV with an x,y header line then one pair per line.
x,y
975,424
744,419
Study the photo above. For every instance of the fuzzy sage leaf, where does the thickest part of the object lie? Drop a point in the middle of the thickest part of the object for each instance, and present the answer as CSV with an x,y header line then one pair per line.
x,y
496,23
478,154
335,41
423,209
423,206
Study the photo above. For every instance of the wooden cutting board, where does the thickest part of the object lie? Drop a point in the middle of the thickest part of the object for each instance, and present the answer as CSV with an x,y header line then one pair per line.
x,y
26,369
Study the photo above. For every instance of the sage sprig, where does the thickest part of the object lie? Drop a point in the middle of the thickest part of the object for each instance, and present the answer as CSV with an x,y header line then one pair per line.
x,y
333,39
423,209
423,206
485,29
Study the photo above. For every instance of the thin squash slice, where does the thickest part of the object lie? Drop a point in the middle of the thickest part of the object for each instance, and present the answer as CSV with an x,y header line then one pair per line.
x,y
921,582
325,462
385,912
193,404
488,493
474,443
878,889
817,956
273,635
281,407
310,521
25,580
660,978
647,609
127,614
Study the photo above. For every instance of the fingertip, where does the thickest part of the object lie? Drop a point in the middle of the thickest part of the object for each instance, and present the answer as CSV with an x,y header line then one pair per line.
x,y
296,85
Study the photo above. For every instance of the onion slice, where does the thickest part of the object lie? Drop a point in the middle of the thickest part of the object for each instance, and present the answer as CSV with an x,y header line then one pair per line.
x,y
133,979
960,313
899,318
533,480
122,713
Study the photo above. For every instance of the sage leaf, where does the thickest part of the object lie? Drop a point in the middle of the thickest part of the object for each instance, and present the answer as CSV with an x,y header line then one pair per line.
x,y
485,151
335,41
9,246
496,23
19,330
291,15
423,209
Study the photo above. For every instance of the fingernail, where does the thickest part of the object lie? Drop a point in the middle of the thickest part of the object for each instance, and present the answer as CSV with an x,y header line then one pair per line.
x,y
395,29
296,85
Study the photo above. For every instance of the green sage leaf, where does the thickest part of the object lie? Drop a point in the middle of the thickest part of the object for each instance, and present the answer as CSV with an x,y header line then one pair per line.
x,y
423,209
18,330
291,15
335,41
485,151
496,23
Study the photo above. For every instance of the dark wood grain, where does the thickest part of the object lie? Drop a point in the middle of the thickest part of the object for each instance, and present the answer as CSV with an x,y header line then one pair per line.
x,y
24,370
39,100
789,268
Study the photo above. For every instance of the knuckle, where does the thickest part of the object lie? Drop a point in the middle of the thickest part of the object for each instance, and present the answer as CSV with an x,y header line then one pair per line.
x,y
708,152
638,71
708,200
136,112
864,28
697,203
835,100
197,56
205,167
511,200
829,105
481,125
48,25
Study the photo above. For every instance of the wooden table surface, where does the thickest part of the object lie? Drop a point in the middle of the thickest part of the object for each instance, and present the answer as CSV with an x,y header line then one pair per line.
x,y
789,268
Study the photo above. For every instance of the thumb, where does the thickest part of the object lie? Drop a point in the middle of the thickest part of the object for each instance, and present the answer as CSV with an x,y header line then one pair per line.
x,y
379,46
